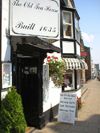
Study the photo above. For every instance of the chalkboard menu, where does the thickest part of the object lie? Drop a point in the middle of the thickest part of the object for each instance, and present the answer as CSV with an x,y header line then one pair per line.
x,y
67,108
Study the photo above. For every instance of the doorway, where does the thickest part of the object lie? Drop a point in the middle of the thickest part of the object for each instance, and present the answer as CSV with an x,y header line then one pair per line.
x,y
27,85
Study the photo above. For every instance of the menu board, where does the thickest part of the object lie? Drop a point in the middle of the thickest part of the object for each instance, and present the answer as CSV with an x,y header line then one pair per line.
x,y
45,72
67,108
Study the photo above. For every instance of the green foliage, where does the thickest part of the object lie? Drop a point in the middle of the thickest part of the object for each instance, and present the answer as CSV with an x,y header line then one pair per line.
x,y
11,114
56,70
79,103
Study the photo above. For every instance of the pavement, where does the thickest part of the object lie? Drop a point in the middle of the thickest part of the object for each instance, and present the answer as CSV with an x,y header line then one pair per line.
x,y
88,120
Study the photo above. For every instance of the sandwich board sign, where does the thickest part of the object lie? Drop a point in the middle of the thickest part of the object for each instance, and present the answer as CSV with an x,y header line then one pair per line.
x,y
67,108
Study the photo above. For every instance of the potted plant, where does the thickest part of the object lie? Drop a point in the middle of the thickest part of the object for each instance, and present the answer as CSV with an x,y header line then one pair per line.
x,y
79,103
11,115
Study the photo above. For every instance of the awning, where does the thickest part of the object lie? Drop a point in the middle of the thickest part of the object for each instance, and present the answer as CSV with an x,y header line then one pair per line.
x,y
74,63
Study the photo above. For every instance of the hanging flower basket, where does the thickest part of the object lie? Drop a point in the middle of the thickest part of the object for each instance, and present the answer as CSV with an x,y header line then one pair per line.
x,y
57,69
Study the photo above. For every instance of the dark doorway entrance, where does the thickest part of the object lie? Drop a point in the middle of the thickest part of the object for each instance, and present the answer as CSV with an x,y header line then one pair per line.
x,y
27,75
28,87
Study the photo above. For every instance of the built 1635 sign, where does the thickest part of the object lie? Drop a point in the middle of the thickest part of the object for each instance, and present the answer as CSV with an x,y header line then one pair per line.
x,y
34,17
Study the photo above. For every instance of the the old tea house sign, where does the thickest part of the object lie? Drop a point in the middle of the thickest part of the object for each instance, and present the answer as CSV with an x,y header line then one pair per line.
x,y
34,17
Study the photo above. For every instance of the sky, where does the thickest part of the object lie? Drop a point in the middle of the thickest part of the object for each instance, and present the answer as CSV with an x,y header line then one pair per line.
x,y
89,12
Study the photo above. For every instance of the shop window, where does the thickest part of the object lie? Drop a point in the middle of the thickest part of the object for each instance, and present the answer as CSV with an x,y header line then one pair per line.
x,y
68,84
67,24
78,79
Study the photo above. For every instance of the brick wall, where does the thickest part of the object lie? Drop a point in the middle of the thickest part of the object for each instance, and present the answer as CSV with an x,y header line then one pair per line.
x,y
88,61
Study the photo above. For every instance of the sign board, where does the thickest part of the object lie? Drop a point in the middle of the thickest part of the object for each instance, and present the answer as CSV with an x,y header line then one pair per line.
x,y
45,72
34,17
67,108
83,54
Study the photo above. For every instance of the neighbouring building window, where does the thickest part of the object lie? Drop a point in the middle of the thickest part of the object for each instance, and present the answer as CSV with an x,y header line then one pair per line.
x,y
67,25
77,30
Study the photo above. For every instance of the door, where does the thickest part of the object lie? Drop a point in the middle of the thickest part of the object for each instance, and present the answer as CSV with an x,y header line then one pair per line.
x,y
28,69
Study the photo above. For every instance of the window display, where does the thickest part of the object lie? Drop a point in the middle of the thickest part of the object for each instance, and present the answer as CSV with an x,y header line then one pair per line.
x,y
6,74
68,84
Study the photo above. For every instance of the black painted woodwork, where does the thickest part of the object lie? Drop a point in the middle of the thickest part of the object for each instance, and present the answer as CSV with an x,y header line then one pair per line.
x,y
0,49
75,74
29,86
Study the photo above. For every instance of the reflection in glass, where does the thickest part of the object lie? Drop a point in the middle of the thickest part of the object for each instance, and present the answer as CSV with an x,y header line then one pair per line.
x,y
67,30
66,17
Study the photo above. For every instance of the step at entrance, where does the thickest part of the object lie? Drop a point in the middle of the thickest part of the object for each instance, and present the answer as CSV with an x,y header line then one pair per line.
x,y
30,129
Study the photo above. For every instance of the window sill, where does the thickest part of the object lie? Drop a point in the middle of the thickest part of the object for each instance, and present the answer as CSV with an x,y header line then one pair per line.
x,y
71,90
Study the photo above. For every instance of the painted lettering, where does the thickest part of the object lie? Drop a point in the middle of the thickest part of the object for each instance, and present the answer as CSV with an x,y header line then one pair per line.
x,y
49,29
38,7
48,8
61,105
28,4
16,3
71,102
21,25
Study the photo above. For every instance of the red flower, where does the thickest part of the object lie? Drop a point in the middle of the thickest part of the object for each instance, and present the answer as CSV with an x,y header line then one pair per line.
x,y
51,64
48,60
54,81
48,57
64,76
77,97
55,57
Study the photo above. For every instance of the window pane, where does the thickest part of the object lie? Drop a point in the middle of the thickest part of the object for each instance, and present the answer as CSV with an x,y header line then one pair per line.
x,y
69,76
78,79
68,84
67,30
66,17
76,34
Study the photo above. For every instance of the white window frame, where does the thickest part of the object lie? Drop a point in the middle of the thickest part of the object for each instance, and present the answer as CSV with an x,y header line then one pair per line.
x,y
68,24
77,29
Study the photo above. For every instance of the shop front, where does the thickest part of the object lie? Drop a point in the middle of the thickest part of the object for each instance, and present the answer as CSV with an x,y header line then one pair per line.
x,y
72,84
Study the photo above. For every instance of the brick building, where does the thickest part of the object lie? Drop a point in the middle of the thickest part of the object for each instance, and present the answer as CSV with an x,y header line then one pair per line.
x,y
88,61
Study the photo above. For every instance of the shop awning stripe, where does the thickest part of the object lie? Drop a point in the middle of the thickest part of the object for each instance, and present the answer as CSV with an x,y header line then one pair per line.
x,y
74,63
